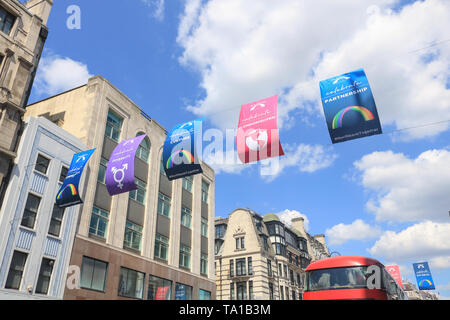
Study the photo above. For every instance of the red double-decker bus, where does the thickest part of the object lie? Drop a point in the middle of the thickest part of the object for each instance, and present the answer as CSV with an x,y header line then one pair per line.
x,y
350,277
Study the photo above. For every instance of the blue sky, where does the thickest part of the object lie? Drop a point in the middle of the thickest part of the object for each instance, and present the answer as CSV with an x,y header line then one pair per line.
x,y
384,196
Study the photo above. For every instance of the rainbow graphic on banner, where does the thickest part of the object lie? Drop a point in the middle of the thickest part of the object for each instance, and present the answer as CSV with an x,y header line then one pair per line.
x,y
337,120
72,188
183,153
426,281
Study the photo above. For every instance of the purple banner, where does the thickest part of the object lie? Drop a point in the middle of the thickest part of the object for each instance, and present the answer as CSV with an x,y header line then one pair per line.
x,y
120,169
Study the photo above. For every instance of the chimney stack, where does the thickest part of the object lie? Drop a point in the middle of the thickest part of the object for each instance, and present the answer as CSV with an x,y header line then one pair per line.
x,y
299,224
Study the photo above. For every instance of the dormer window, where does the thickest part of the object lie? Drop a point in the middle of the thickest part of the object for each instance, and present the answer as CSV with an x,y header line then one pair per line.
x,y
6,21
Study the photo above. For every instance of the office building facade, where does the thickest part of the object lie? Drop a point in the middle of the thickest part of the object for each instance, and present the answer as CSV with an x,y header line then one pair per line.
x,y
152,243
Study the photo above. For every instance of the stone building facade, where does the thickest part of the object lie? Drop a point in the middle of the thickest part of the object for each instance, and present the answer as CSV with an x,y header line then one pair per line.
x,y
260,258
153,243
23,32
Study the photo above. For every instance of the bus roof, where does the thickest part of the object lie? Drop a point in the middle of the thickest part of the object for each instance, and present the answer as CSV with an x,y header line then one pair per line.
x,y
343,261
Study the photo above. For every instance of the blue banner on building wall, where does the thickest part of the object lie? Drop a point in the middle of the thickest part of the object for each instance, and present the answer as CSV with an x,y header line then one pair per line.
x,y
69,194
349,107
423,276
179,154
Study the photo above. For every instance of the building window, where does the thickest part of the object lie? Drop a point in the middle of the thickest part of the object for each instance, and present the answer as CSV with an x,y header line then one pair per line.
x,y
299,282
240,243
131,283
93,274
240,267
183,292
63,174
204,263
139,194
287,293
220,230
56,221
204,295
271,297
159,288
231,268
186,217
293,295
185,256
269,267
99,222
291,276
163,205
250,290
250,265
231,290
241,290
42,164
16,270
45,274
281,293
161,168
31,210
205,191
161,247
204,227
133,236
187,183
113,126
102,170
6,21
143,151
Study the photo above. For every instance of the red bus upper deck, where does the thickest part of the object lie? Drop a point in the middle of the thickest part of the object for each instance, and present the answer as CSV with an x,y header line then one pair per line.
x,y
347,277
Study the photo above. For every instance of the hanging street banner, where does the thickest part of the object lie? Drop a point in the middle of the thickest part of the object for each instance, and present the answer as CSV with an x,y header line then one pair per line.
x,y
349,107
69,194
394,271
257,134
423,276
180,157
120,170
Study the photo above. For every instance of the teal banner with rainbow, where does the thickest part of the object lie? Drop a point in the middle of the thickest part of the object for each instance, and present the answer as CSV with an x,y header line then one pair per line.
x,y
349,107
423,276
69,194
179,154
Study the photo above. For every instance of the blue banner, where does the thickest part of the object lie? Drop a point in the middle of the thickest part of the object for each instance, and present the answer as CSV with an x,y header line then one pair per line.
x,y
349,107
179,153
69,195
423,276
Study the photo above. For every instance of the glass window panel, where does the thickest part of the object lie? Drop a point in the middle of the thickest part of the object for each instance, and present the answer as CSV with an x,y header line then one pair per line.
x,y
45,274
16,270
42,164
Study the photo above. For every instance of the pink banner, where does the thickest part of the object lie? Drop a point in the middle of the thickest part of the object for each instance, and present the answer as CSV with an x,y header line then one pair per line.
x,y
394,271
257,135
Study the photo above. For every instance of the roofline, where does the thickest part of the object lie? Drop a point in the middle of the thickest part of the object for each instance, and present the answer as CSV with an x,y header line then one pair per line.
x,y
56,95
343,261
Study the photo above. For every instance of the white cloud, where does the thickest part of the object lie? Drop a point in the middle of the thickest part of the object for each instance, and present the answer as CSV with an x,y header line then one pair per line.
x,y
248,50
425,241
404,189
303,157
357,230
287,215
57,74
157,7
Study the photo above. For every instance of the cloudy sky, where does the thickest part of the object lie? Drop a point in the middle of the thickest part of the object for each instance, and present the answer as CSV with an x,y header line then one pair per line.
x,y
385,196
